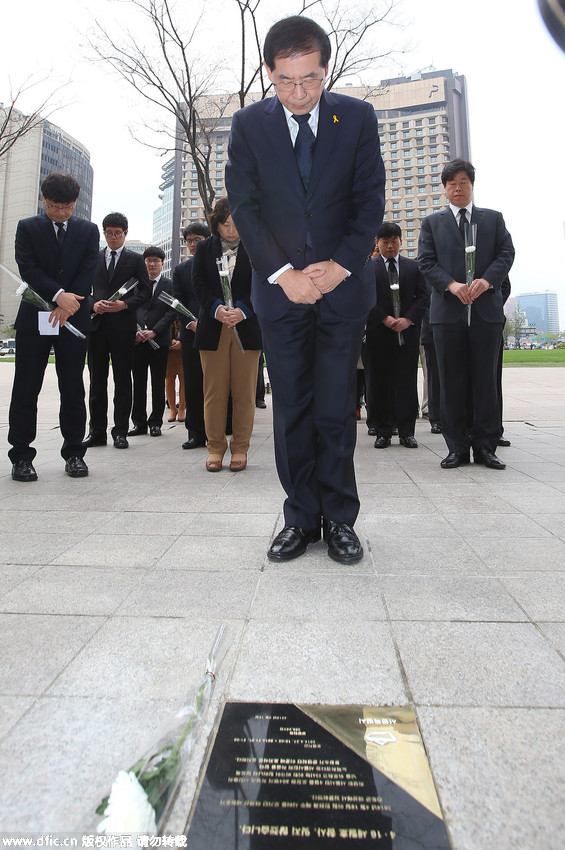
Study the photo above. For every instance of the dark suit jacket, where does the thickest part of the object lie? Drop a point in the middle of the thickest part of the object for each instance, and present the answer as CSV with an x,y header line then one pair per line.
x,y
339,214
441,257
47,268
413,299
157,316
130,264
184,292
208,288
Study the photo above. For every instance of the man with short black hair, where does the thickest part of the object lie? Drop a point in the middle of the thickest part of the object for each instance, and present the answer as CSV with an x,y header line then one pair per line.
x,y
467,351
56,255
194,233
305,183
153,324
113,332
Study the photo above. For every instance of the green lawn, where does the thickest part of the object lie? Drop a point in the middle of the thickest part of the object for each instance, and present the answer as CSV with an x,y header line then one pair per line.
x,y
542,357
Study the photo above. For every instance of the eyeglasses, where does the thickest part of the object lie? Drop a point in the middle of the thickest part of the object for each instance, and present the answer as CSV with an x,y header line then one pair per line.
x,y
152,261
193,240
61,207
113,234
308,84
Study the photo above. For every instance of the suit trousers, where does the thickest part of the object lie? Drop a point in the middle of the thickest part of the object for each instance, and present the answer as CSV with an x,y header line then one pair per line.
x,y
32,356
229,369
391,373
312,356
193,389
433,384
105,344
468,354
174,370
147,359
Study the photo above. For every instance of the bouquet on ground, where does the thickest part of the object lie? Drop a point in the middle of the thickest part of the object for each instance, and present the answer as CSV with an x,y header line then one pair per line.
x,y
225,278
119,293
140,797
178,306
32,297
395,292
470,252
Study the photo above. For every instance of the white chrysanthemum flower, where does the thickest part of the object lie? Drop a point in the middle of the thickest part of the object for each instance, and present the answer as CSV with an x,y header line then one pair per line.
x,y
21,289
470,249
395,287
129,809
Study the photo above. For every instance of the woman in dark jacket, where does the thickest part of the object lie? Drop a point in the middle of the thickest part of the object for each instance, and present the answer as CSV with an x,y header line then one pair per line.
x,y
226,368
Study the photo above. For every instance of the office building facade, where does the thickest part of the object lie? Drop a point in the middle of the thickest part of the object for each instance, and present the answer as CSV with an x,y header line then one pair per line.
x,y
541,309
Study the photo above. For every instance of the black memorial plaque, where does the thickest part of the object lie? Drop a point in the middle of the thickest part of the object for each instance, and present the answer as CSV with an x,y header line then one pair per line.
x,y
298,777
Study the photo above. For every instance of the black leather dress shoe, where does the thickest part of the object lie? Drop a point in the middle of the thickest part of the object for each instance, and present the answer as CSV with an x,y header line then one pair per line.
x,y
120,442
382,442
408,442
486,458
291,542
76,467
193,443
343,544
154,431
22,470
372,432
436,428
455,459
92,441
261,404
504,442
137,431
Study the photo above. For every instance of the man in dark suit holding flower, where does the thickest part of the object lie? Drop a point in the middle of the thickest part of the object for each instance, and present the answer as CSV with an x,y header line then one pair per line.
x,y
392,341
114,326
467,351
56,255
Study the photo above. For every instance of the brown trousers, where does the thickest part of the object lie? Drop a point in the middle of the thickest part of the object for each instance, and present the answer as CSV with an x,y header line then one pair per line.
x,y
226,370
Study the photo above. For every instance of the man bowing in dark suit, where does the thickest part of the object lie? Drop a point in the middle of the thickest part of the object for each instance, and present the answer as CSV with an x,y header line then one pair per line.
x,y
154,322
56,255
113,331
305,183
467,351
393,341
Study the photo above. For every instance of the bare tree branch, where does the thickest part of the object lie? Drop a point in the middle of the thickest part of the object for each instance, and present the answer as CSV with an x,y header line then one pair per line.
x,y
14,124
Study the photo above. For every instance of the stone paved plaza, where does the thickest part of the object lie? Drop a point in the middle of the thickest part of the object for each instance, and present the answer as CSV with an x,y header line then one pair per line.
x,y
112,588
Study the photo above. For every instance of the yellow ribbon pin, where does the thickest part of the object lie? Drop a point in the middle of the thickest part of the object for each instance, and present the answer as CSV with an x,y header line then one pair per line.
x,y
336,120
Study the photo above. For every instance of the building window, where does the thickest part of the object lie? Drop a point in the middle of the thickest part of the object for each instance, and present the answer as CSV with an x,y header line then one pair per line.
x,y
396,205
395,192
219,147
421,189
410,243
408,191
408,181
406,143
394,182
193,213
406,163
421,179
435,167
410,233
421,170
433,148
419,151
193,203
393,145
406,134
194,192
392,126
393,135
409,204
435,202
422,202
410,253
218,182
405,123
419,122
396,215
419,132
394,173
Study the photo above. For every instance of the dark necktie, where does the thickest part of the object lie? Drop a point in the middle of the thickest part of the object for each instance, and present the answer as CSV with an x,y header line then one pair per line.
x,y
111,265
463,222
303,147
60,232
392,272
